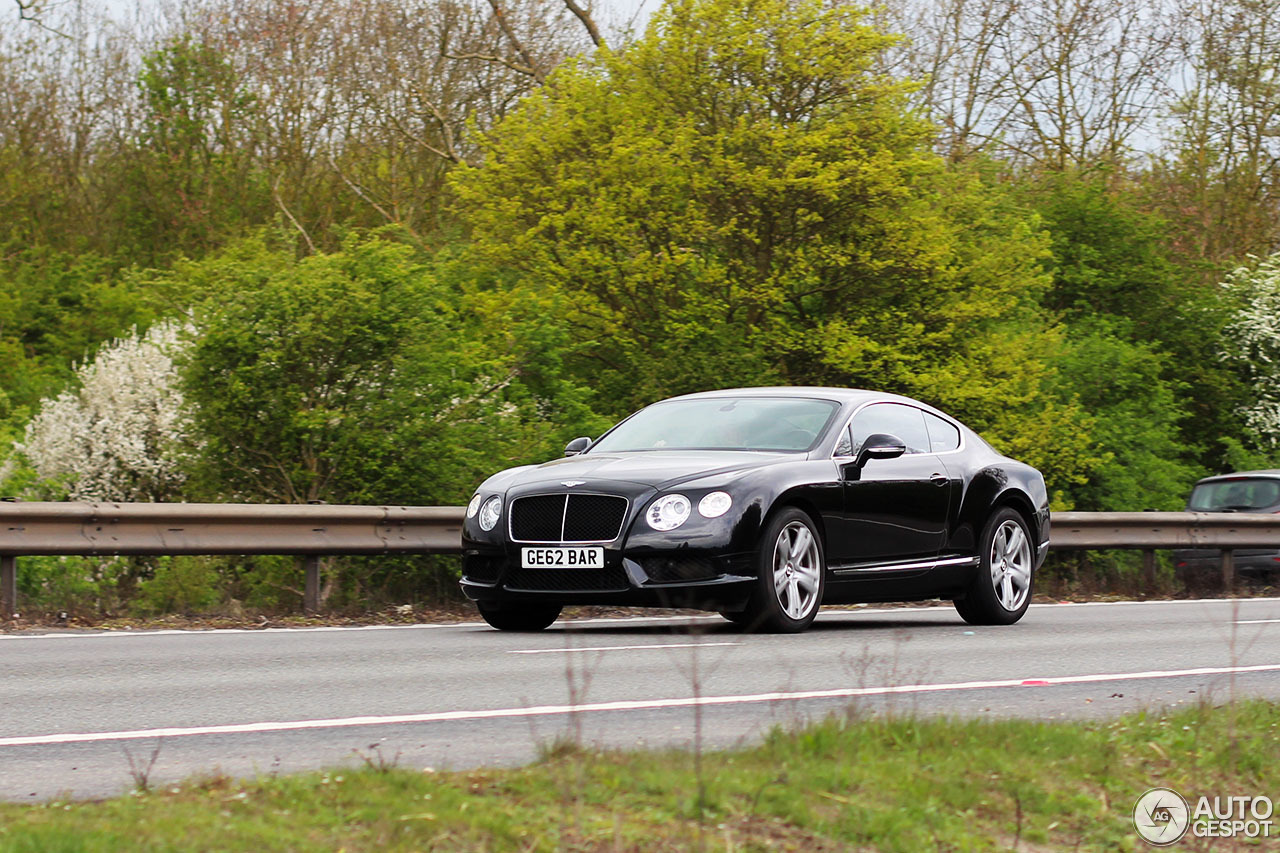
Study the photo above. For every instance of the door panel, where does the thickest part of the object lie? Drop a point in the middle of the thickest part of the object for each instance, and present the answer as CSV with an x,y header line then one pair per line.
x,y
895,510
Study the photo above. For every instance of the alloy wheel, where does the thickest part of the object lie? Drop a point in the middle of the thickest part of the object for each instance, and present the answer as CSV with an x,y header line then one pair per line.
x,y
796,570
1011,565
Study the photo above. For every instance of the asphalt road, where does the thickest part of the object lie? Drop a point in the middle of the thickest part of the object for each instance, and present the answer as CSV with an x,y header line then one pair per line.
x,y
77,709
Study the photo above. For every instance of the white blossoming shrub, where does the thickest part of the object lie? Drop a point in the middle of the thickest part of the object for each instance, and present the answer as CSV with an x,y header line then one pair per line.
x,y
121,435
1253,343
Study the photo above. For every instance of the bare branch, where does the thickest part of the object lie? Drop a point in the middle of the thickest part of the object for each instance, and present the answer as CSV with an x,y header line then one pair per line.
x,y
510,33
448,152
275,192
358,190
29,10
488,57
583,15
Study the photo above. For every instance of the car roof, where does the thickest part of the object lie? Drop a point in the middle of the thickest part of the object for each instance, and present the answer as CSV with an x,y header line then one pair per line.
x,y
1266,472
840,395
844,396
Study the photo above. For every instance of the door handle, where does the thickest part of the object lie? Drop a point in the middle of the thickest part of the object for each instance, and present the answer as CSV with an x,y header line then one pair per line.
x,y
939,479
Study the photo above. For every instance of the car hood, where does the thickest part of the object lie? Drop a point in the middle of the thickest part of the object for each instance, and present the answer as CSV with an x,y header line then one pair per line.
x,y
661,468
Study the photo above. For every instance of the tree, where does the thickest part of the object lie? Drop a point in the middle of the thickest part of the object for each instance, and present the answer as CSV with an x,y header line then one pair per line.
x,y
740,197
1219,176
1137,412
1252,346
356,377
192,181
1057,84
1123,295
55,310
122,434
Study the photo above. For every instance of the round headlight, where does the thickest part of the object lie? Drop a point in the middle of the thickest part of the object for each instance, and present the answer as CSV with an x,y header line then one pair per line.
x,y
489,513
715,504
668,512
473,507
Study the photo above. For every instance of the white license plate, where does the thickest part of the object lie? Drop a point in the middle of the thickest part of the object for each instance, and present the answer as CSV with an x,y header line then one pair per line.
x,y
562,558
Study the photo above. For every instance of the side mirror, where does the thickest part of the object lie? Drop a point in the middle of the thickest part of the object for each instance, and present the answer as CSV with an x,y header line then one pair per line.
x,y
880,445
578,445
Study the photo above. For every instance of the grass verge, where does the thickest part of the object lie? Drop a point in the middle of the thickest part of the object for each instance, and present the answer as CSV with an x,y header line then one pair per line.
x,y
850,783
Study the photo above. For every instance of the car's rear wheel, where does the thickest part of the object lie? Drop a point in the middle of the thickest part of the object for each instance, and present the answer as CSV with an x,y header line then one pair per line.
x,y
1001,588
790,576
519,617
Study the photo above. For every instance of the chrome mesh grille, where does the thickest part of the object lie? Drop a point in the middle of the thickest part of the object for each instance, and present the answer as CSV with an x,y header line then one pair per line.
x,y
567,518
537,519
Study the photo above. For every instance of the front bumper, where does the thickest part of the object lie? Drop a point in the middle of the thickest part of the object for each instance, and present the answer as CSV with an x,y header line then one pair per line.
x,y
1042,551
641,578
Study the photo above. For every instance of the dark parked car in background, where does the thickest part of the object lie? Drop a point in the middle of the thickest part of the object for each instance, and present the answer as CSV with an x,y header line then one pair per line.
x,y
1243,491
761,504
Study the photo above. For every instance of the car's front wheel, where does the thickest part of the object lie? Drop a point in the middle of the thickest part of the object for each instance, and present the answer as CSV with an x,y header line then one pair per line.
x,y
790,576
522,617
1001,589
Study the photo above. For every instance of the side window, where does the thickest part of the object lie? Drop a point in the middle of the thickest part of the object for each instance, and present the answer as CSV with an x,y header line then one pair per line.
x,y
906,422
942,435
844,447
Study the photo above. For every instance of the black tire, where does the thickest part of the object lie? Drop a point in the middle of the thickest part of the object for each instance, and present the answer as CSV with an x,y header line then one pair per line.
x,y
789,586
1001,589
519,617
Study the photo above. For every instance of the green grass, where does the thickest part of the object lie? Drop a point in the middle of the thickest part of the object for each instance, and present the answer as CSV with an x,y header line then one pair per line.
x,y
862,782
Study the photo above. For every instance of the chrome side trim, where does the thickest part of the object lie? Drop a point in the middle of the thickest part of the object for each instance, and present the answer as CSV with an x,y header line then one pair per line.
x,y
907,567
959,561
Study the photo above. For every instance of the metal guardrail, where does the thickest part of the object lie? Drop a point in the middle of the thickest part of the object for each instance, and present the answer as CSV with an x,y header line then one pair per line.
x,y
310,531
136,529
1152,531
1162,530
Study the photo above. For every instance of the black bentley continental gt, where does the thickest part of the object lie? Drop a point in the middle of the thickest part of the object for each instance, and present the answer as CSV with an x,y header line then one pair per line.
x,y
762,504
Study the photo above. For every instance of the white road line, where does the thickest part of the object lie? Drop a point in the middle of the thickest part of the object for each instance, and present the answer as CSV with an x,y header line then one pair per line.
x,y
616,648
211,632
624,705
568,625
1255,621
1157,601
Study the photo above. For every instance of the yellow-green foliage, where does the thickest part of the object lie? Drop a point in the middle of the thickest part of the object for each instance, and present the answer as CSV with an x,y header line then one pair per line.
x,y
741,197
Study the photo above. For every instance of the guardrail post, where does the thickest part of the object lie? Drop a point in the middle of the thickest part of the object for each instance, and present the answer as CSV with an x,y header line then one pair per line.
x,y
8,586
311,592
1228,570
1149,570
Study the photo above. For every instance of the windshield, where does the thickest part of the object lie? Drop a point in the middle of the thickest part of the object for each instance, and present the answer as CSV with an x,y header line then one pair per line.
x,y
723,423
1243,494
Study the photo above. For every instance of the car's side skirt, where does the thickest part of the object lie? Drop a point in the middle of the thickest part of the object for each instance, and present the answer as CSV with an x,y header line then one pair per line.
x,y
918,566
945,576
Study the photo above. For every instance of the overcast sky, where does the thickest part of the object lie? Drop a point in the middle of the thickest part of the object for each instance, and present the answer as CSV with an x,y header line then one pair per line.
x,y
616,12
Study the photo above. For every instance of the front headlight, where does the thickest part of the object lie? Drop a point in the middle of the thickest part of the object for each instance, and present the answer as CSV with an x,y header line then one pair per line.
x,y
714,504
474,506
489,513
668,512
